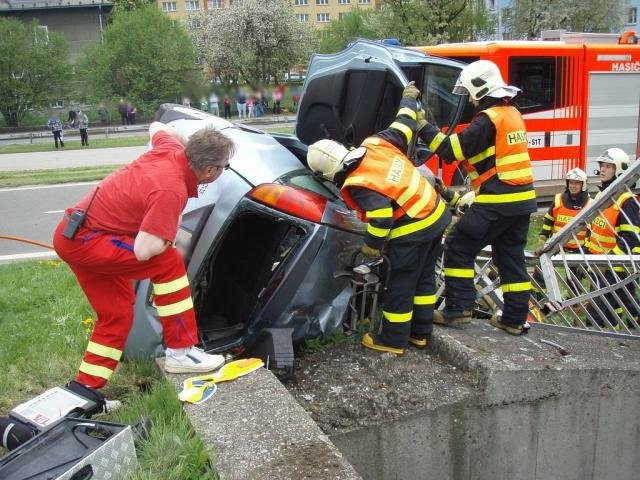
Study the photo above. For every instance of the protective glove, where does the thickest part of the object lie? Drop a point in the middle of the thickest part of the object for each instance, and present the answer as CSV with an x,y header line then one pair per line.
x,y
421,120
439,185
465,202
370,252
411,91
449,196
541,242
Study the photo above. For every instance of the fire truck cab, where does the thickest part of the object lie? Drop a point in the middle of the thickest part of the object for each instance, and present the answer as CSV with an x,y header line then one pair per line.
x,y
578,98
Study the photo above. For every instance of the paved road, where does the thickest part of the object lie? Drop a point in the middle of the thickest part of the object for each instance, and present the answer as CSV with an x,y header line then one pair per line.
x,y
33,213
69,158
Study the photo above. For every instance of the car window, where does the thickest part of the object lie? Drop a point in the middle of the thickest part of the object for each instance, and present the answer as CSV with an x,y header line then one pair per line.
x,y
439,101
306,180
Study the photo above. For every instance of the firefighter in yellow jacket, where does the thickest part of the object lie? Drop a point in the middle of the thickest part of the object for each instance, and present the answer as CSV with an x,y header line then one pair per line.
x,y
615,231
564,208
493,151
401,209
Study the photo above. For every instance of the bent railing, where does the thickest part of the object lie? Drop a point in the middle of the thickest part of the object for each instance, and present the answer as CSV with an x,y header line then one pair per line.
x,y
597,294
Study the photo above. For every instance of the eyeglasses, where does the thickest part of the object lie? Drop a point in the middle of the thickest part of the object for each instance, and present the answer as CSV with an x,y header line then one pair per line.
x,y
224,167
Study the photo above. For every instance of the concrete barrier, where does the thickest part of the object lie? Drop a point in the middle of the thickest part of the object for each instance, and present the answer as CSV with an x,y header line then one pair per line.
x,y
481,405
534,415
254,429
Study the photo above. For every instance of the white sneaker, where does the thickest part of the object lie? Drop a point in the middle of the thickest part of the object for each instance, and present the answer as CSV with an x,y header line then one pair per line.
x,y
192,360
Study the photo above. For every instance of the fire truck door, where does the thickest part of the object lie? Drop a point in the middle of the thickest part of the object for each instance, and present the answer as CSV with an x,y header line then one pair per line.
x,y
613,114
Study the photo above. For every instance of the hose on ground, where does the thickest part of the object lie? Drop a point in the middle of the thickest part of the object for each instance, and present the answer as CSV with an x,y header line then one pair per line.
x,y
26,240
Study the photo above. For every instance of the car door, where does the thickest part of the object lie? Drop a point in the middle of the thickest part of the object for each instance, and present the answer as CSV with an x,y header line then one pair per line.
x,y
352,94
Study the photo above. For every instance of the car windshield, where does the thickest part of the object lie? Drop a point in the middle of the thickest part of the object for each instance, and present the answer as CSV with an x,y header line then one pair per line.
x,y
306,180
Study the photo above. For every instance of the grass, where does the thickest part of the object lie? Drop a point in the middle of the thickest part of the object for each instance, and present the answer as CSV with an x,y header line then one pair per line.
x,y
45,322
94,142
53,176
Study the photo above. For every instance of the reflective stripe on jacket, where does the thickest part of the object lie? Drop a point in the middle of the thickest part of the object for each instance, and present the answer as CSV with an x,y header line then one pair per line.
x,y
603,236
386,170
563,215
512,163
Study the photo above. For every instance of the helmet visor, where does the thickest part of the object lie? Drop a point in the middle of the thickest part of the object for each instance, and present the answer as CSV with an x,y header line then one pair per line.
x,y
459,89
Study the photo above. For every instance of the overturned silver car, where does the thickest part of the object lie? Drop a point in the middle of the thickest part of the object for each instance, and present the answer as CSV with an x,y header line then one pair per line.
x,y
264,242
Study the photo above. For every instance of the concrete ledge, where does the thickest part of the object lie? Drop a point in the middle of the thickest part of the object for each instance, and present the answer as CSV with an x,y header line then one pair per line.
x,y
254,429
523,369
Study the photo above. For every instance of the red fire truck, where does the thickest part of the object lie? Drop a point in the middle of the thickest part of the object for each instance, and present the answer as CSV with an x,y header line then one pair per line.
x,y
578,98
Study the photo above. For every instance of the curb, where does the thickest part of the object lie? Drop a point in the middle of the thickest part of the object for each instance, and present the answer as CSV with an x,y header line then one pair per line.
x,y
254,428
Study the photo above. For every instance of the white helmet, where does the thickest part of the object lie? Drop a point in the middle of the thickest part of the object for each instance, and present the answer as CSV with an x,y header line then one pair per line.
x,y
482,78
577,175
617,157
327,157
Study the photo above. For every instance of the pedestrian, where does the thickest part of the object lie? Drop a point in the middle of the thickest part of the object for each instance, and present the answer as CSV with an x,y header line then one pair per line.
x,y
131,113
204,106
250,106
295,98
103,113
55,124
72,117
493,150
83,124
405,217
277,99
213,104
258,106
122,110
564,208
131,222
227,106
241,103
614,231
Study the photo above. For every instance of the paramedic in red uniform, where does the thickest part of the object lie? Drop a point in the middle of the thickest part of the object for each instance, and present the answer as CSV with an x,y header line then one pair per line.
x,y
493,151
130,225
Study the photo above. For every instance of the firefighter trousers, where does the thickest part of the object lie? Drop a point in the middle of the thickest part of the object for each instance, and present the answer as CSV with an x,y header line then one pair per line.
x,y
410,293
507,236
105,267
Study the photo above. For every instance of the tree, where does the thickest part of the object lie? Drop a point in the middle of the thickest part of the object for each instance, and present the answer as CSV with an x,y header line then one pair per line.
x,y
429,22
33,68
357,23
252,40
527,18
145,57
128,5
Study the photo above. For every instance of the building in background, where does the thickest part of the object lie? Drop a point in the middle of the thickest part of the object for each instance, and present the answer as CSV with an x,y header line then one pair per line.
x,y
631,22
80,22
498,6
313,12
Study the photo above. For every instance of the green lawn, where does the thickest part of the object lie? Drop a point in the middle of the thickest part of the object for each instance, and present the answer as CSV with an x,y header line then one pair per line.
x,y
45,322
94,142
53,176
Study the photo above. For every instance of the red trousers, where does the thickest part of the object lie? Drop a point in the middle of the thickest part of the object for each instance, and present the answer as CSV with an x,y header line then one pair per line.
x,y
105,266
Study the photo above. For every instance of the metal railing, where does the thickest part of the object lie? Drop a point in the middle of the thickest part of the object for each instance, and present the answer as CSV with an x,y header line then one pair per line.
x,y
596,294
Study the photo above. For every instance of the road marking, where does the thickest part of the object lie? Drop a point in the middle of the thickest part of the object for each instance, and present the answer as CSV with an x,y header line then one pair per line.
x,y
42,187
54,211
27,256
